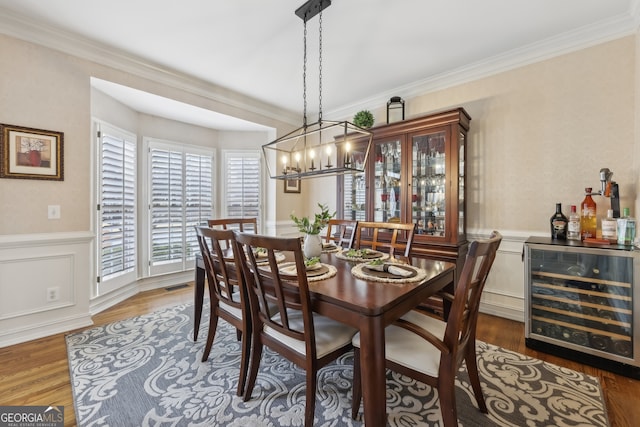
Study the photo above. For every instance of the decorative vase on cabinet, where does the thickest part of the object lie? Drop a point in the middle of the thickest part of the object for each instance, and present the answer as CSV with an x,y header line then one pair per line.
x,y
415,173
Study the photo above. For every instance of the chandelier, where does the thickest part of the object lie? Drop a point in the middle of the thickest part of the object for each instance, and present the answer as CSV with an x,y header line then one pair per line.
x,y
324,147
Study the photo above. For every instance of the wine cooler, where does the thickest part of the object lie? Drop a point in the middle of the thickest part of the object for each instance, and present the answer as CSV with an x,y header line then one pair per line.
x,y
581,302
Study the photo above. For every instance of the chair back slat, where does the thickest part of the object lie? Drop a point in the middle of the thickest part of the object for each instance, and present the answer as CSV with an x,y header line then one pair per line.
x,y
392,237
341,232
218,262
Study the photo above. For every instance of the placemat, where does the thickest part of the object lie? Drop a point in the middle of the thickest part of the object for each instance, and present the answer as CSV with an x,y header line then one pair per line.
x,y
321,272
362,272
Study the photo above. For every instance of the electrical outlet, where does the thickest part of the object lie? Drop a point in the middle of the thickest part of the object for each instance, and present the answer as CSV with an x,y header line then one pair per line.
x,y
53,211
53,294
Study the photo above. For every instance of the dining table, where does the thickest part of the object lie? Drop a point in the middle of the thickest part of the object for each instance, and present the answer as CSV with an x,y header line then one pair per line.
x,y
368,305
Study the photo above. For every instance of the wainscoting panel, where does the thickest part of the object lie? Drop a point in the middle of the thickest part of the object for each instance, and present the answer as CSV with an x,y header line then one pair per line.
x,y
503,294
45,283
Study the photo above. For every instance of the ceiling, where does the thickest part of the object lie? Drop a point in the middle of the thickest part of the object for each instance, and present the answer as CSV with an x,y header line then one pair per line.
x,y
371,49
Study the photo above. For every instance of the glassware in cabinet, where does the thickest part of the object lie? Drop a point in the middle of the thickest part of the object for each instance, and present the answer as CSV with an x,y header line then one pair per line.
x,y
429,170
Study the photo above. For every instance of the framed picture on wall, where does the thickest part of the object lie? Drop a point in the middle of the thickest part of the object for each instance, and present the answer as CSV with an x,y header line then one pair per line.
x,y
27,153
292,185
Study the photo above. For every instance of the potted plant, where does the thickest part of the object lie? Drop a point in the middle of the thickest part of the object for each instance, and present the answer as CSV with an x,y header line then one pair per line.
x,y
312,243
363,119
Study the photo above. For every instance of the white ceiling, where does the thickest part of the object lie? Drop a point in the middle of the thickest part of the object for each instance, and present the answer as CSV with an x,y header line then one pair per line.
x,y
372,49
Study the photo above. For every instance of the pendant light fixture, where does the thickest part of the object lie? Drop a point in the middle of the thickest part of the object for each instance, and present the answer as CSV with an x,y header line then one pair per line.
x,y
324,147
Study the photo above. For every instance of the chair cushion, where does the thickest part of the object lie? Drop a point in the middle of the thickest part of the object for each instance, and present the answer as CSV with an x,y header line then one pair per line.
x,y
330,334
408,349
235,312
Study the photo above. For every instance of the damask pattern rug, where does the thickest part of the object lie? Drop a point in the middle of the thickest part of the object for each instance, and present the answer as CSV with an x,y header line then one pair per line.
x,y
147,371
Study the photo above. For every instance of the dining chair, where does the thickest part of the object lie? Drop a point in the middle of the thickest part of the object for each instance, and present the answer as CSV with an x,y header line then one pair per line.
x,y
308,339
341,232
431,350
227,293
384,236
242,224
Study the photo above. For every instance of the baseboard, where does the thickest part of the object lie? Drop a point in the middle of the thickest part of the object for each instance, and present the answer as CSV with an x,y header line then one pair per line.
x,y
36,331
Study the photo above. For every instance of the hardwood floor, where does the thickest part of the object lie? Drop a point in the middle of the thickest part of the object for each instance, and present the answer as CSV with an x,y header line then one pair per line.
x,y
36,372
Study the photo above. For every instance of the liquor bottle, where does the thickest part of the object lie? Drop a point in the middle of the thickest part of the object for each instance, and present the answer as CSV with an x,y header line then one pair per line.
x,y
588,220
573,227
559,224
608,226
626,228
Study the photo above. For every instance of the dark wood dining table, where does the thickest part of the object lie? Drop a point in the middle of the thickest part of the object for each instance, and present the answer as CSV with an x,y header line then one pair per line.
x,y
368,306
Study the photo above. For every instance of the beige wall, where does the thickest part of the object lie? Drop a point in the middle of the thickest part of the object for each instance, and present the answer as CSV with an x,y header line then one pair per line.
x,y
45,89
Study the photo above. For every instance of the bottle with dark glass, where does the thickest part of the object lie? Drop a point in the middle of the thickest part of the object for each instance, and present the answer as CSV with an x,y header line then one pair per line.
x,y
559,224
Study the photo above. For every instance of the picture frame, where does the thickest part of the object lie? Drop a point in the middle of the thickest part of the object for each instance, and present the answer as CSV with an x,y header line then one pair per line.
x,y
28,153
292,185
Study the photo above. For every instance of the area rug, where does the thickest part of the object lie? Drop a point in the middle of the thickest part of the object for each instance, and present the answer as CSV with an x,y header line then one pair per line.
x,y
147,371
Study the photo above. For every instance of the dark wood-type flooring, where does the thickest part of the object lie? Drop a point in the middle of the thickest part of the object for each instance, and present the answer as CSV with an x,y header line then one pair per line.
x,y
37,373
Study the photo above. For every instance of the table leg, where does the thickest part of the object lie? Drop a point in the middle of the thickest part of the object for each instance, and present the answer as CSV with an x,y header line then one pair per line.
x,y
199,299
373,372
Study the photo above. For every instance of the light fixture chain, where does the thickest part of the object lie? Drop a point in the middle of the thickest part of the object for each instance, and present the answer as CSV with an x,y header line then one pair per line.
x,y
304,77
320,69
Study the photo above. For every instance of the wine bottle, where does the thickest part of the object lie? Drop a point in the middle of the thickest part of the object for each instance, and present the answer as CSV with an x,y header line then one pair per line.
x,y
558,224
588,219
573,227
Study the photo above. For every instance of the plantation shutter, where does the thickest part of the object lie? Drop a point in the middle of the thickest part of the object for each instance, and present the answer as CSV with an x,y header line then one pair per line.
x,y
117,208
199,196
243,194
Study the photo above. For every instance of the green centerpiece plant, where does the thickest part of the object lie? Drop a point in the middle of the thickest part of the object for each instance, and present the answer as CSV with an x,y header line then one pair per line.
x,y
320,221
312,244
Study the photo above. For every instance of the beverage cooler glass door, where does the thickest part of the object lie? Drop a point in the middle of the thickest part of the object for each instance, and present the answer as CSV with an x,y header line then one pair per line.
x,y
429,184
388,155
582,299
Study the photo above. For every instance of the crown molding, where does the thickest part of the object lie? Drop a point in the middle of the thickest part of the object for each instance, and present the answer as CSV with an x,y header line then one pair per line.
x,y
18,26
581,38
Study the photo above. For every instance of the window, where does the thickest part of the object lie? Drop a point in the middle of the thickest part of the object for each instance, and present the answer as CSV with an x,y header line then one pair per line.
x,y
116,210
242,196
180,197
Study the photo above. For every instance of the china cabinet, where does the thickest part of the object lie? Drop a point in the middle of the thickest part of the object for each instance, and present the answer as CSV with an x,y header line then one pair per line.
x,y
581,304
415,173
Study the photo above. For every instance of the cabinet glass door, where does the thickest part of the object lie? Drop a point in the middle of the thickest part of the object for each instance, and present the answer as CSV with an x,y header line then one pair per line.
x,y
386,197
428,201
